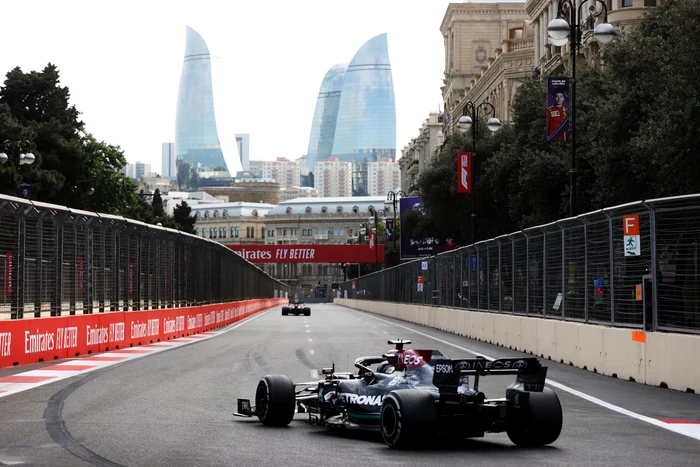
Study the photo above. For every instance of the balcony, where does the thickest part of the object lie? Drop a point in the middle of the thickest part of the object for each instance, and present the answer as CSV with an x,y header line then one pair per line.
x,y
321,237
413,167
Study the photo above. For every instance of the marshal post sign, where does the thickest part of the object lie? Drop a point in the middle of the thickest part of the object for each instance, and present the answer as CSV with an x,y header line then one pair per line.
x,y
259,253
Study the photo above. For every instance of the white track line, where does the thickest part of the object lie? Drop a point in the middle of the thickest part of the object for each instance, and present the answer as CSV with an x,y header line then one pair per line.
x,y
563,387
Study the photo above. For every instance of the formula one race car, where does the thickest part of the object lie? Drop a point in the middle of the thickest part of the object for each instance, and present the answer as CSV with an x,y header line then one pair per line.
x,y
415,395
296,308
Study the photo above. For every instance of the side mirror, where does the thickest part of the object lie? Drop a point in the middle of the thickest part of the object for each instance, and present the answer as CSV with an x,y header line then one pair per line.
x,y
328,371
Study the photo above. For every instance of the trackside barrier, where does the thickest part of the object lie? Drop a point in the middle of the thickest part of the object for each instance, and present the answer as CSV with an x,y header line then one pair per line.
x,y
54,338
655,358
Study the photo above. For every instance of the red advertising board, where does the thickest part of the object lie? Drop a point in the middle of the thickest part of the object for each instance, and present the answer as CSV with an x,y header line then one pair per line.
x,y
309,253
46,339
464,171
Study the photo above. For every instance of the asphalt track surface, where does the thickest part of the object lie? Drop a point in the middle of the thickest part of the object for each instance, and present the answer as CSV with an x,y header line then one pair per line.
x,y
175,408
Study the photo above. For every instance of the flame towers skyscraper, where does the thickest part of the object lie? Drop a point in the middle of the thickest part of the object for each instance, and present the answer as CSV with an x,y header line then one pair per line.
x,y
199,140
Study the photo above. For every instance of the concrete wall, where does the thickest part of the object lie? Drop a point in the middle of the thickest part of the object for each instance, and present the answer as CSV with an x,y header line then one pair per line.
x,y
654,358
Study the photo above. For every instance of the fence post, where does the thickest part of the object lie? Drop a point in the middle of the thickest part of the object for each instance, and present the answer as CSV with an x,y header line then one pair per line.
x,y
39,264
563,271
512,276
17,306
585,271
611,245
654,269
544,273
500,277
527,274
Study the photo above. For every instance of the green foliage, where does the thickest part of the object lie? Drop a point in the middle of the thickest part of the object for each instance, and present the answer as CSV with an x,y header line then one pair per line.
x,y
637,137
72,168
183,218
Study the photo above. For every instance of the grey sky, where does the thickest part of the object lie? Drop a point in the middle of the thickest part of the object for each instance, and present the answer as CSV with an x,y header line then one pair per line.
x,y
122,61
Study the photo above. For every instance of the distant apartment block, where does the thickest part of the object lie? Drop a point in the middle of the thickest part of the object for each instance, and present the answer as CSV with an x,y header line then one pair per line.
x,y
383,176
243,143
287,173
333,178
168,160
298,192
137,170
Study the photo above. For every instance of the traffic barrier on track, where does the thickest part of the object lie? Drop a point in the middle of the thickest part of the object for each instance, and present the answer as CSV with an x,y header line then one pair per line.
x,y
55,338
655,358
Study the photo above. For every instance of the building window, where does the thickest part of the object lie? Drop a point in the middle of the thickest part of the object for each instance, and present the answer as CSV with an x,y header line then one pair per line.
x,y
626,3
288,210
307,210
355,209
204,233
255,213
224,213
339,209
216,213
222,232
649,2
196,231
516,34
212,233
324,210
262,232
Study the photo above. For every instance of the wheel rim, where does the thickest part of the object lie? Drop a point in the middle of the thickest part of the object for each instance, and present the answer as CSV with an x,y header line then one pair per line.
x,y
261,400
389,420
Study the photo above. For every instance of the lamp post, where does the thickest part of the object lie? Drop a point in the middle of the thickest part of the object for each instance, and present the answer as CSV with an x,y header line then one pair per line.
x,y
562,30
375,213
393,197
470,120
17,152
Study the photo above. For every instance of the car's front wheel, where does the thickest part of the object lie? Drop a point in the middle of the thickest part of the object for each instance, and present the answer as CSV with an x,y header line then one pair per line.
x,y
408,418
275,400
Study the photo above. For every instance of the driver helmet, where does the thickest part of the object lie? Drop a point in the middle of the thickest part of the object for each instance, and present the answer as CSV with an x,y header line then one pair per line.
x,y
386,368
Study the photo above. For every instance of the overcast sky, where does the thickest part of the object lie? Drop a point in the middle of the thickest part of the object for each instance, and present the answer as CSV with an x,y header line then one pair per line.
x,y
122,62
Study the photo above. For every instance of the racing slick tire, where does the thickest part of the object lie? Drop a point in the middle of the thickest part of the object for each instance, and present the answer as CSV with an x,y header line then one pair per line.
x,y
408,418
285,310
275,400
307,311
541,422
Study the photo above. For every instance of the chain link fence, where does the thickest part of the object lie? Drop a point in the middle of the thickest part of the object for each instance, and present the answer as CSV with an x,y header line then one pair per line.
x,y
58,261
635,265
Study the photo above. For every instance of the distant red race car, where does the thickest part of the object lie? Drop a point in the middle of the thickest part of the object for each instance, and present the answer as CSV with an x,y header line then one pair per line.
x,y
296,308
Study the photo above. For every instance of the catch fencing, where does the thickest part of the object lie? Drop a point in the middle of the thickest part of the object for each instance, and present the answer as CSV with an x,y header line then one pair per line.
x,y
582,269
59,261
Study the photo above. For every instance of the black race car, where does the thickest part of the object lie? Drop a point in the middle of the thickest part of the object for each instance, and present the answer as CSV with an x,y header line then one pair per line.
x,y
296,308
414,395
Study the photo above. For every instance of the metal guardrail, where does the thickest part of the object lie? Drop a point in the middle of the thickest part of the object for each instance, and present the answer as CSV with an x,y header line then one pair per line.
x,y
56,261
573,269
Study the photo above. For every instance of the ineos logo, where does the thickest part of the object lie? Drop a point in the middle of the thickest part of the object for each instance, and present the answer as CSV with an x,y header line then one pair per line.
x,y
407,359
520,364
463,365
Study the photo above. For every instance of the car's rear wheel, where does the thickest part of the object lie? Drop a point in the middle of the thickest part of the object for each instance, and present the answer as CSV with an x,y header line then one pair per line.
x,y
307,311
408,418
285,311
275,400
541,422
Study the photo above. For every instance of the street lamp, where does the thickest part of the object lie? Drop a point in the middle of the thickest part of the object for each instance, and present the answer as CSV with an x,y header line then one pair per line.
x,y
562,30
376,213
392,197
18,153
470,120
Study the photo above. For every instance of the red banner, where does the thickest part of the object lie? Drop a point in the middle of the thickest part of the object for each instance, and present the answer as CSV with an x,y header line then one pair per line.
x,y
464,171
259,253
46,339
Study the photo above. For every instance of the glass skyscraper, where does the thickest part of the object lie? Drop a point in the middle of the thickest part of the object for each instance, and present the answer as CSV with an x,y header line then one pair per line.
x,y
198,139
325,116
366,125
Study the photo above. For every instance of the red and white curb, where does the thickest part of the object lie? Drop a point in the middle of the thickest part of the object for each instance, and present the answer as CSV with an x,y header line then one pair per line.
x,y
27,380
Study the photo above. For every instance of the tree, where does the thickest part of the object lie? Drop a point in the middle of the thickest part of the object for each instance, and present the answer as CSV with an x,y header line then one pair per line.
x,y
157,204
72,168
182,216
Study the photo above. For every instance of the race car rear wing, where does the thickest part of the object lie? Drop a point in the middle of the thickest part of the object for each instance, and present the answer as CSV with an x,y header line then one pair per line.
x,y
530,373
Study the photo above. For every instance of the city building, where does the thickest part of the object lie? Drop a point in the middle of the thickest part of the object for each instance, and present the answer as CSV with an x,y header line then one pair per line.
x,y
552,60
168,164
201,135
333,178
418,154
232,223
243,144
192,198
137,170
298,192
336,220
383,176
325,116
475,34
366,124
248,190
284,171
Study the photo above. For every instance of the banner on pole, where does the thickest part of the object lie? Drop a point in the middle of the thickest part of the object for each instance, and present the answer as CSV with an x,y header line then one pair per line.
x,y
558,109
464,171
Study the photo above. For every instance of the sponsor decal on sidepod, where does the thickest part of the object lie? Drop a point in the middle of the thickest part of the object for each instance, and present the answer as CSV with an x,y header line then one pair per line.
x,y
361,400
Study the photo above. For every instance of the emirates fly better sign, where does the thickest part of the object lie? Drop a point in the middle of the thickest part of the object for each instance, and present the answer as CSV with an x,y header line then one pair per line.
x,y
464,170
259,253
